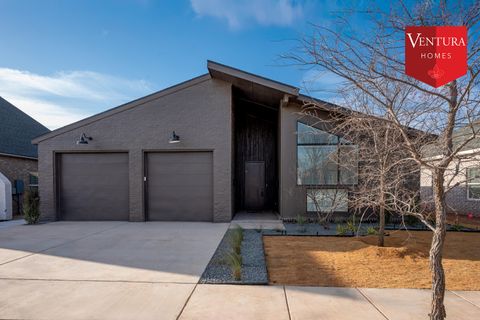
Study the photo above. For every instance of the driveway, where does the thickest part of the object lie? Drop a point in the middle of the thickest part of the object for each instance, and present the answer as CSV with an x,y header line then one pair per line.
x,y
102,270
121,270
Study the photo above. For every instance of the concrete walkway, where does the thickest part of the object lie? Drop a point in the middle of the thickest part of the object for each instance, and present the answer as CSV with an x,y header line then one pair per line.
x,y
121,270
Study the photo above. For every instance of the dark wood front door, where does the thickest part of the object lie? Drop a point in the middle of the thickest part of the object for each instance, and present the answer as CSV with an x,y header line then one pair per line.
x,y
254,185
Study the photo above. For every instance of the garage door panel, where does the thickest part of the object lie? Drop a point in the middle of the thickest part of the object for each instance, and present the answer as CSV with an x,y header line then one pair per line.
x,y
93,186
180,186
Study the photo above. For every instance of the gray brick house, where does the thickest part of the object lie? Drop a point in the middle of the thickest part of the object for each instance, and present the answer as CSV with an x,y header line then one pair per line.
x,y
18,157
462,176
225,142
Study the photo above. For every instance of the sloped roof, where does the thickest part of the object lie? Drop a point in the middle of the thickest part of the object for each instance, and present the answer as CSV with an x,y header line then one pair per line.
x,y
17,129
261,88
459,137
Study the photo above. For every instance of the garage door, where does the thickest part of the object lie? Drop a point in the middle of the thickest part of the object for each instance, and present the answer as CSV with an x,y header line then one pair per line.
x,y
179,186
93,186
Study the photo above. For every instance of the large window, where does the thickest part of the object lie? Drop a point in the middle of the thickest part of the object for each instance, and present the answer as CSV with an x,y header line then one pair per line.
x,y
324,158
473,183
327,200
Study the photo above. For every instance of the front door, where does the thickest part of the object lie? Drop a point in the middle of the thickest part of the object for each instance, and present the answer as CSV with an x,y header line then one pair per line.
x,y
254,185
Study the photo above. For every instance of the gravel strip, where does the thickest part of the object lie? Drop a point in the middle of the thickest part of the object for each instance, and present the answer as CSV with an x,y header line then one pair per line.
x,y
254,270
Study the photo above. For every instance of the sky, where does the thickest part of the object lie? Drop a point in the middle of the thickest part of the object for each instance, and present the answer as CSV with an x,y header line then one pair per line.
x,y
61,61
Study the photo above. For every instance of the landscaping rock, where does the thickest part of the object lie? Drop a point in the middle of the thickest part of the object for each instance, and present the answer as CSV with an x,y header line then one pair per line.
x,y
254,269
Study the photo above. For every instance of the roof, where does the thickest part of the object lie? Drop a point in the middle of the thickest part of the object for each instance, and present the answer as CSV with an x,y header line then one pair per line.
x,y
459,137
234,75
257,87
17,129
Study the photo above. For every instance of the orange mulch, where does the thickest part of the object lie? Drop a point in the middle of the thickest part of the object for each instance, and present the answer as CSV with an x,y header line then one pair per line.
x,y
358,262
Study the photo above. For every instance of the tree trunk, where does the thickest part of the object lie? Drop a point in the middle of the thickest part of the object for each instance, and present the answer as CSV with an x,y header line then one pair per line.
x,y
381,227
381,213
436,250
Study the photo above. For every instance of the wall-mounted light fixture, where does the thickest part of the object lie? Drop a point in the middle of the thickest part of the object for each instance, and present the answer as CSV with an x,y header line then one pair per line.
x,y
84,139
174,138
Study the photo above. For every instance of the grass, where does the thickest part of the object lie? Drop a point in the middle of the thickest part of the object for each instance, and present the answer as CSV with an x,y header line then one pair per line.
x,y
358,262
234,257
234,260
236,238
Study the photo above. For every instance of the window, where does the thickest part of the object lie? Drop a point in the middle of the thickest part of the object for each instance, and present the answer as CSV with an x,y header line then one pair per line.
x,y
33,180
324,158
473,183
327,200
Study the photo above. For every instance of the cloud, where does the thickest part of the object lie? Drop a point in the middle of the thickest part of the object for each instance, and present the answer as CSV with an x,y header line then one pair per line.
x,y
238,13
65,97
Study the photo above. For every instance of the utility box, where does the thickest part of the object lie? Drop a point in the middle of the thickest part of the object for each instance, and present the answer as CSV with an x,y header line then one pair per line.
x,y
5,198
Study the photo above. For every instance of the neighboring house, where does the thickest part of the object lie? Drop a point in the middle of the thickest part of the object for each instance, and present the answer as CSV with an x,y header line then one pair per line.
x,y
18,156
462,176
202,150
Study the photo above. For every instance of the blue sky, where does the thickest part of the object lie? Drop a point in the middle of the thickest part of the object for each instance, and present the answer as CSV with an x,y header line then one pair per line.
x,y
61,61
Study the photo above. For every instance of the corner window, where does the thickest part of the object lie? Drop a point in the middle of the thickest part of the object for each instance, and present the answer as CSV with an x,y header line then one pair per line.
x,y
324,158
473,183
327,200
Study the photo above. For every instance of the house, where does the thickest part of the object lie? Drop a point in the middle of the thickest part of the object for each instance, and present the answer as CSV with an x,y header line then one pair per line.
x,y
18,157
202,150
462,175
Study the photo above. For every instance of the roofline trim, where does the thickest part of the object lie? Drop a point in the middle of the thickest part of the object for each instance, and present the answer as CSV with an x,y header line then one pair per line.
x,y
124,107
17,156
279,86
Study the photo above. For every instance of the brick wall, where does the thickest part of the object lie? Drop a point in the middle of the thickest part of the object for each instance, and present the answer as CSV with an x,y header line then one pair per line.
x,y
457,198
17,169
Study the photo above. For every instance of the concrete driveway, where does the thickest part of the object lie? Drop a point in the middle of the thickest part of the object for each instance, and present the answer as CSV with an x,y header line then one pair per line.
x,y
102,270
121,270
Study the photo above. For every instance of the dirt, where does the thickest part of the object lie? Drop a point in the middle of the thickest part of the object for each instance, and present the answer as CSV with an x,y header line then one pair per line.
x,y
358,262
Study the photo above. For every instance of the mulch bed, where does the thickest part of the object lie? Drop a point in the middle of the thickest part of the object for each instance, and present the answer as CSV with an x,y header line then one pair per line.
x,y
358,262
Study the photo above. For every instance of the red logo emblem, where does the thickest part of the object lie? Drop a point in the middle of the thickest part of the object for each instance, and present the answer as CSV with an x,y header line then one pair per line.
x,y
436,55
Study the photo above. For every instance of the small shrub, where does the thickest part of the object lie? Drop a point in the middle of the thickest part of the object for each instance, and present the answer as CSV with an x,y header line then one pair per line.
x,y
341,229
351,226
234,260
31,211
236,238
371,231
456,227
301,221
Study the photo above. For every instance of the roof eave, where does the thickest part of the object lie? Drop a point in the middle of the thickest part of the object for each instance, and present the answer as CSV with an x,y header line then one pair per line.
x,y
237,73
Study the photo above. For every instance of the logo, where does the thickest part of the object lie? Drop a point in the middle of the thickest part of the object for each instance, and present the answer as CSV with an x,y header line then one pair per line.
x,y
436,55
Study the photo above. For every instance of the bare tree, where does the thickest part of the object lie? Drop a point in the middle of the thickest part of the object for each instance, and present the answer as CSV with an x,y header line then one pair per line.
x,y
325,202
370,60
386,172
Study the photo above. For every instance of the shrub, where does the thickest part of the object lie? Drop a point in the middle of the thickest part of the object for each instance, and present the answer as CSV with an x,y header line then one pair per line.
x,y
236,238
31,211
301,223
456,227
341,229
301,220
371,231
351,226
234,260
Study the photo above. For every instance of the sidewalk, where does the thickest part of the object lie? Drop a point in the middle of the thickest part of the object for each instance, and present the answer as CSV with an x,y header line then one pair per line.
x,y
286,302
